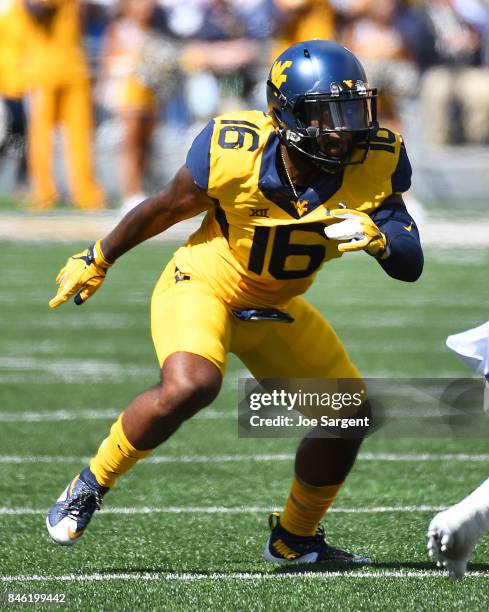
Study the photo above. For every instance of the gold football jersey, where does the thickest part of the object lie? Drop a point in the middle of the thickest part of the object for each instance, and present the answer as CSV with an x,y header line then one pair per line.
x,y
260,246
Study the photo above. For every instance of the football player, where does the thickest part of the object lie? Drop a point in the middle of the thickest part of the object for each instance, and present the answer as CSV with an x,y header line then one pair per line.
x,y
272,185
454,533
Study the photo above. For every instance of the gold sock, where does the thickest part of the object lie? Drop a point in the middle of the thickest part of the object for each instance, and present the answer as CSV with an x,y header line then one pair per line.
x,y
115,456
306,506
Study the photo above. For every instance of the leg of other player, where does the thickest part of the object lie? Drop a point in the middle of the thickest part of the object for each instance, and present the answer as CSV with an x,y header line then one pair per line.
x,y
454,533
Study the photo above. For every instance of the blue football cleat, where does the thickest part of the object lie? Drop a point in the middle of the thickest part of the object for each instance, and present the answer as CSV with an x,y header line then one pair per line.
x,y
286,547
68,518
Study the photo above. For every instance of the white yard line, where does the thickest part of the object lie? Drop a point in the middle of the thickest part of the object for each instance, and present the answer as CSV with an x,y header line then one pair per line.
x,y
71,370
57,415
465,457
191,576
63,227
17,370
59,226
92,321
226,510
259,458
37,416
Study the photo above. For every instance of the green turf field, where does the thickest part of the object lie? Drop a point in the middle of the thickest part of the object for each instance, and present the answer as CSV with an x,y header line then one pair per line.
x,y
185,531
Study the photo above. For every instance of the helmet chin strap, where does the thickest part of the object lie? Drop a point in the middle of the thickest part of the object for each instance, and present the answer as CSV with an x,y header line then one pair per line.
x,y
330,165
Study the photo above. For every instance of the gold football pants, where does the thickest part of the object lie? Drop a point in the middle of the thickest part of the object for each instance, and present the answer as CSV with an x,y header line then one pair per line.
x,y
188,316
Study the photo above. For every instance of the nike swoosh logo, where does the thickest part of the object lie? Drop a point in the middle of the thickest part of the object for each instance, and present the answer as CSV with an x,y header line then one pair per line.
x,y
73,536
86,258
73,483
408,227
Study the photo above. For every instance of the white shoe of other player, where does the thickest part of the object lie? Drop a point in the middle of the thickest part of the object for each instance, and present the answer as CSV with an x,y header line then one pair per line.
x,y
454,532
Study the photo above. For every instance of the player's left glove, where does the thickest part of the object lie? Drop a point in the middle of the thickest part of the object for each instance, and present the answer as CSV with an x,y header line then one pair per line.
x,y
81,276
357,233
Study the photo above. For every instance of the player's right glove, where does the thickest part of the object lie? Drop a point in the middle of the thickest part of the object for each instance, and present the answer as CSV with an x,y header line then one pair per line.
x,y
81,276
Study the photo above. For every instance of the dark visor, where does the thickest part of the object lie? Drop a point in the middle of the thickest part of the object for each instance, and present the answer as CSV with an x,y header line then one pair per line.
x,y
327,115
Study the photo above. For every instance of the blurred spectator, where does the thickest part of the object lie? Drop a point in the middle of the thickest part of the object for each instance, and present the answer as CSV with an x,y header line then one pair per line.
x,y
95,17
191,59
58,78
221,62
12,84
138,72
455,93
298,20
392,41
184,17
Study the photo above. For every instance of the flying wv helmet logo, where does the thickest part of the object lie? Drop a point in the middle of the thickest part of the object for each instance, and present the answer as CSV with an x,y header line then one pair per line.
x,y
277,76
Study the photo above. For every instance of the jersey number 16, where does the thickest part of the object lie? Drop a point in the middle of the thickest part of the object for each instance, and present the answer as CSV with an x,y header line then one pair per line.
x,y
282,248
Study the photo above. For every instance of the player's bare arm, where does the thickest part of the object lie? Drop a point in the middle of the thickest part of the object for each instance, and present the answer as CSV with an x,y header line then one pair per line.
x,y
181,199
84,272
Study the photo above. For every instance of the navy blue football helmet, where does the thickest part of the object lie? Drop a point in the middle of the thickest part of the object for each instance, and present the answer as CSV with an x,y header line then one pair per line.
x,y
317,87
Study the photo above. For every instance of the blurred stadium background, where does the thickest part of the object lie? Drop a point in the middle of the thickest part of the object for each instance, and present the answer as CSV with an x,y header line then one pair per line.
x,y
150,73
122,88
